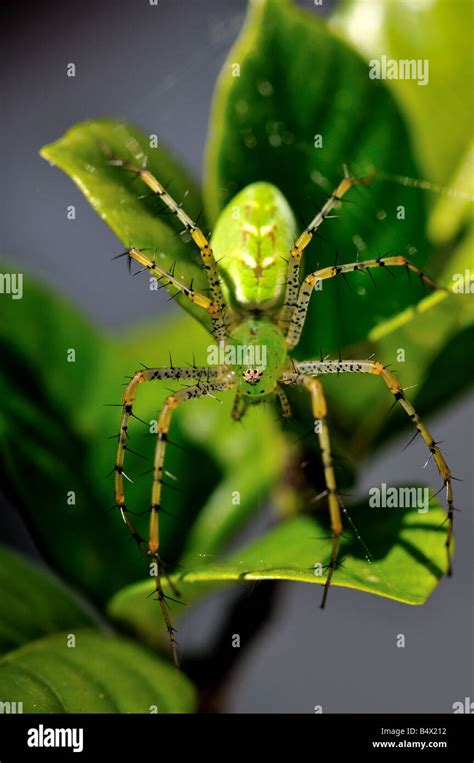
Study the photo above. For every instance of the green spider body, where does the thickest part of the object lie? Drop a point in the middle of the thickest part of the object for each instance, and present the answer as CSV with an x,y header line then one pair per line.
x,y
252,238
251,241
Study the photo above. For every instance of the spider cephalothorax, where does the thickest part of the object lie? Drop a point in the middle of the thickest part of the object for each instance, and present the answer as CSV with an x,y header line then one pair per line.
x,y
257,303
259,356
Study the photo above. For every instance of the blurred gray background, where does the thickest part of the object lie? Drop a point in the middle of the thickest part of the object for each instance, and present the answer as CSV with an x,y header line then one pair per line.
x,y
156,66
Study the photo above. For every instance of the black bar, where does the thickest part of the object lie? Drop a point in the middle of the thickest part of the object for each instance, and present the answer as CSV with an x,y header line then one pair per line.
x,y
314,737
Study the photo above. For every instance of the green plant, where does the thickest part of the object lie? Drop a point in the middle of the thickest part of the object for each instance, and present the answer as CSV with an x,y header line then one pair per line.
x,y
263,127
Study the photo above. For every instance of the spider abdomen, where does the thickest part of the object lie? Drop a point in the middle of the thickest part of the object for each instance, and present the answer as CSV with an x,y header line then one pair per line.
x,y
251,242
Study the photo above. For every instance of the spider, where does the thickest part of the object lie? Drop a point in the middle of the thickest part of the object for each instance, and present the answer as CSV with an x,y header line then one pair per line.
x,y
257,302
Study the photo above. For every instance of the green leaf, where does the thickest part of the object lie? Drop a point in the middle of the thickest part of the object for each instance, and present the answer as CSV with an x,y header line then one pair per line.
x,y
407,560
296,81
125,203
439,31
99,674
252,459
36,332
51,436
33,603
46,432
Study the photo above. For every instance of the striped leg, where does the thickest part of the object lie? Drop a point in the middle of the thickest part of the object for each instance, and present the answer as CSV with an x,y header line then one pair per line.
x,y
215,311
164,422
284,402
195,232
145,375
294,263
314,368
301,307
319,408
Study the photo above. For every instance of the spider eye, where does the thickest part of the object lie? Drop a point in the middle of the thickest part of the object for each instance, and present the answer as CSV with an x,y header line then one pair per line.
x,y
252,376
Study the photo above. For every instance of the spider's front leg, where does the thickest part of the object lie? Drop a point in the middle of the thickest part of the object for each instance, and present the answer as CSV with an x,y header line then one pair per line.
x,y
296,253
298,317
215,309
211,380
315,367
319,409
206,253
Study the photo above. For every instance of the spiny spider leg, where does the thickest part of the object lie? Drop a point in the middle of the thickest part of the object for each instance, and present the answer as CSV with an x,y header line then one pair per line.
x,y
195,232
211,380
301,307
219,328
164,422
315,367
284,402
319,408
294,263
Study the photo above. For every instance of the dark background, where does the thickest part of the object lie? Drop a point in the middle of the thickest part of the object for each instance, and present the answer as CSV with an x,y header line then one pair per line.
x,y
156,66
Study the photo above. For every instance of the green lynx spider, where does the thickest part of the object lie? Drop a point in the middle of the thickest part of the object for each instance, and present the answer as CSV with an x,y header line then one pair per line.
x,y
257,298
